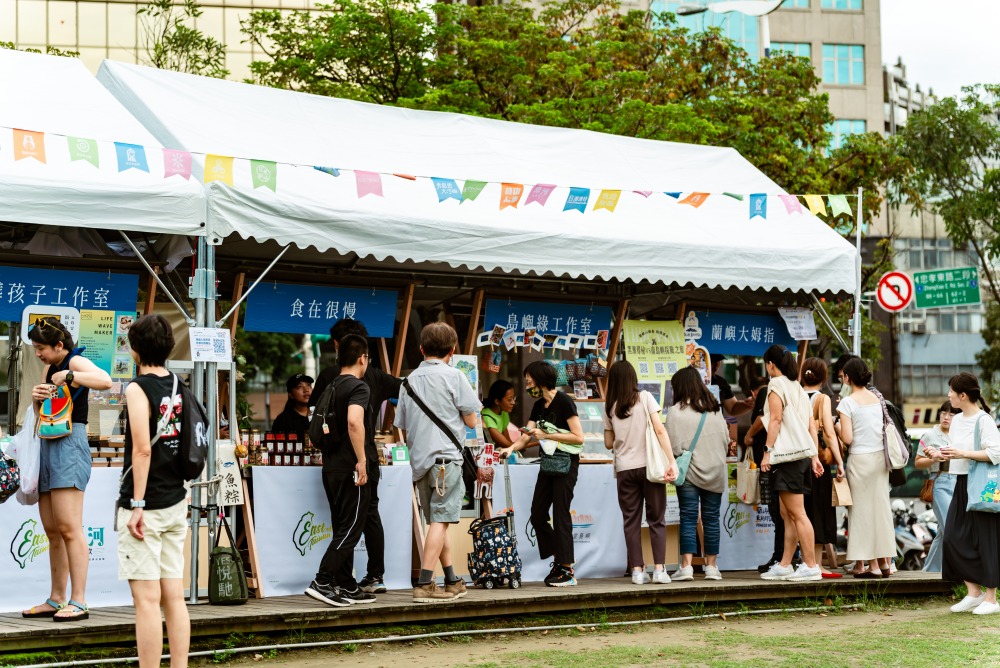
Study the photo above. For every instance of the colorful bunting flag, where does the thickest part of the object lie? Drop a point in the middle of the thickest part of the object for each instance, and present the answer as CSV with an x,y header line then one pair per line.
x,y
368,183
131,156
644,193
446,189
264,173
408,177
608,199
695,199
176,162
792,204
839,205
816,206
674,195
472,189
332,171
28,144
510,194
219,168
577,200
539,193
758,206
83,149
734,196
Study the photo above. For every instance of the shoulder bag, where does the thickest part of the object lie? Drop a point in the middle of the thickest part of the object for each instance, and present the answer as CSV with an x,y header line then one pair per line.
x,y
897,454
748,480
227,582
684,461
470,470
794,440
983,482
656,460
927,489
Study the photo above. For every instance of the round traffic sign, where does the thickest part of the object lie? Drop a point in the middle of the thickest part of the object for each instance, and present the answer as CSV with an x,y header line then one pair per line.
x,y
895,291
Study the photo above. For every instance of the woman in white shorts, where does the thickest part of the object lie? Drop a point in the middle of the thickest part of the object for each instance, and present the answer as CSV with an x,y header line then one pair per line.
x,y
152,506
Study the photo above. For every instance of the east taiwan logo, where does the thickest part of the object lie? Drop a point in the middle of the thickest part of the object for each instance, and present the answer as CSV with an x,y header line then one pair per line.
x,y
29,544
308,533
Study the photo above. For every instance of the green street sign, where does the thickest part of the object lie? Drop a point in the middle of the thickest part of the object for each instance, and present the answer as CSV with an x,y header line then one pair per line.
x,y
946,287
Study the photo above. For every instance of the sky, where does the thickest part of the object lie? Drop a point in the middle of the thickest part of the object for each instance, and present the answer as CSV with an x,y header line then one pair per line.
x,y
945,44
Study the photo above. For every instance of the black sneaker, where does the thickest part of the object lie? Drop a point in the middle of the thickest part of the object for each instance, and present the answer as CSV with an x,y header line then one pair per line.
x,y
357,596
327,593
764,568
373,585
560,577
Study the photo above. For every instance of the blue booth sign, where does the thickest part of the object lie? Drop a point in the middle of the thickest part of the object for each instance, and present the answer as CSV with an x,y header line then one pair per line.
x,y
312,309
737,333
547,318
82,290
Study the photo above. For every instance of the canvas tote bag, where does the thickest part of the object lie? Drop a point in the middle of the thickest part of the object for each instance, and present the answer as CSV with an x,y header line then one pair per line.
x,y
794,440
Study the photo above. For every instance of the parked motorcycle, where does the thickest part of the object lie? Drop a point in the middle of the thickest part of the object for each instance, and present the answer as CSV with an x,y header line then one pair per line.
x,y
912,540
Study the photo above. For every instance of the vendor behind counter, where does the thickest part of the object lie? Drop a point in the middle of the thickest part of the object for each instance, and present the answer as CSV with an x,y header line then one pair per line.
x,y
294,419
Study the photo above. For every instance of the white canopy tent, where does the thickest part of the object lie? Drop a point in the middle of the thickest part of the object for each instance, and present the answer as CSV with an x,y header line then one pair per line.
x,y
651,238
59,97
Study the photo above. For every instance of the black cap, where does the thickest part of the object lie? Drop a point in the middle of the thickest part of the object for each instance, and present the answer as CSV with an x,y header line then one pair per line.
x,y
294,381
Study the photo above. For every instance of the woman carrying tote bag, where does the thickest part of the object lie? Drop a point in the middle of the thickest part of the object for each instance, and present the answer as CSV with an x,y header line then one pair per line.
x,y
631,426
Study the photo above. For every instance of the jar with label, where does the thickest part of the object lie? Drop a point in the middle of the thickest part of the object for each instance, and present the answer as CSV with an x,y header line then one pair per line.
x,y
245,436
299,448
265,457
317,457
296,460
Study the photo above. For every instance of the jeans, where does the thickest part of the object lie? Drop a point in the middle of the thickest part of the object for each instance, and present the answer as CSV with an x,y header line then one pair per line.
x,y
944,489
689,498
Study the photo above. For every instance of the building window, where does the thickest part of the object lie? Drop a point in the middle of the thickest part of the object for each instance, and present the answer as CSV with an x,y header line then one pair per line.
x,y
842,4
738,27
844,64
802,4
841,128
800,49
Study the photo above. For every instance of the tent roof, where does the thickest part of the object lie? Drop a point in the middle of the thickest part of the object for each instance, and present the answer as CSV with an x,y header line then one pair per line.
x,y
60,97
652,238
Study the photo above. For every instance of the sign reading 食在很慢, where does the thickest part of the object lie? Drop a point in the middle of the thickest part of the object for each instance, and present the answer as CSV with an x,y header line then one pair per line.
x,y
313,309
946,287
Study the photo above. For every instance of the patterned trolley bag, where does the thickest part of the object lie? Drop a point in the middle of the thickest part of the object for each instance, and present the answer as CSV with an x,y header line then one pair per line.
x,y
494,560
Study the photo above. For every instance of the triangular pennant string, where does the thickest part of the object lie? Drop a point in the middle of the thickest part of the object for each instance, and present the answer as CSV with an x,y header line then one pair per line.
x,y
133,156
28,144
219,168
695,199
839,205
539,193
510,195
792,204
472,189
264,173
577,200
816,205
734,196
758,206
332,171
176,162
674,195
608,199
446,189
644,193
368,183
83,149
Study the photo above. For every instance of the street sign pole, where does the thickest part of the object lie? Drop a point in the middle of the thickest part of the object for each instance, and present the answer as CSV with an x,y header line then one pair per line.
x,y
857,266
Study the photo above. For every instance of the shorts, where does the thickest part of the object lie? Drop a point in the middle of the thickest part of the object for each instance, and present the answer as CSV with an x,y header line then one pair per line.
x,y
792,477
436,508
65,462
160,556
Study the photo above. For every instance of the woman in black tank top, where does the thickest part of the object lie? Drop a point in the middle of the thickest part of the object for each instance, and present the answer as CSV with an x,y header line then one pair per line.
x,y
64,469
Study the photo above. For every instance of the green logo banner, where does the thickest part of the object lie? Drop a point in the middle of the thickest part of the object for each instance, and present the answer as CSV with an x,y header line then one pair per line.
x,y
83,149
264,173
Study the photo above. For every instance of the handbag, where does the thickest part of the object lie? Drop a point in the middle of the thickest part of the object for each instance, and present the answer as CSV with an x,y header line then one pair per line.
x,y
556,464
684,461
794,441
10,477
841,493
927,489
983,482
748,480
656,460
55,417
897,453
470,469
227,582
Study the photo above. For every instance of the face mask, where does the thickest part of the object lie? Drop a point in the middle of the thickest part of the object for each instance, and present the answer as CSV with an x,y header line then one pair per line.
x,y
534,392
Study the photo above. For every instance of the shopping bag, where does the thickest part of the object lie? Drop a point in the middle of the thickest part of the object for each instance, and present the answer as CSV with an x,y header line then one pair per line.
x,y
656,460
25,447
983,481
748,480
227,582
842,493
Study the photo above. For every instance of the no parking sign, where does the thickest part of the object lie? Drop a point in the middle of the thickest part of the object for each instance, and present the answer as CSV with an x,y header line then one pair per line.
x,y
895,291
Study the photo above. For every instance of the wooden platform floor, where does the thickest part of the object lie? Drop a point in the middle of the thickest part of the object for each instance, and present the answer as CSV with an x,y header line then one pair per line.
x,y
295,613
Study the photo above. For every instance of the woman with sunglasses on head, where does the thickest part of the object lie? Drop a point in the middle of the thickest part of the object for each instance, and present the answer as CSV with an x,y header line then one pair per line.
x,y
971,547
64,469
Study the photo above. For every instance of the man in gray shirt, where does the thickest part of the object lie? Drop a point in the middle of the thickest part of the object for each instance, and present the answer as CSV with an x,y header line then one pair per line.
x,y
435,458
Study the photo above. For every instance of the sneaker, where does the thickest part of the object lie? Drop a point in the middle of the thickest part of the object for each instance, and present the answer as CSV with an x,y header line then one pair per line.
x,y
357,596
640,577
661,578
429,593
805,574
561,577
327,593
778,572
969,603
373,585
683,574
456,589
712,573
986,608
764,568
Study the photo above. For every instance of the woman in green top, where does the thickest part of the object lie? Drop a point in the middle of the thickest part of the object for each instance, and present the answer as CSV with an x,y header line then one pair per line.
x,y
496,413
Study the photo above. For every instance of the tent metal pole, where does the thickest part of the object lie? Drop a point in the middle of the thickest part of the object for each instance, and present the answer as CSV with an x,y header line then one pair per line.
x,y
197,295
223,319
166,290
828,321
211,390
857,262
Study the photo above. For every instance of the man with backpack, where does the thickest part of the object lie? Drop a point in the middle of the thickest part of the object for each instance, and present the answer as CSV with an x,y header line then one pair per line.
x,y
341,429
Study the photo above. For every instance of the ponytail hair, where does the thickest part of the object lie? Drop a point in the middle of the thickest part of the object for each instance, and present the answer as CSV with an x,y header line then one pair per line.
x,y
857,372
968,384
48,331
784,359
813,372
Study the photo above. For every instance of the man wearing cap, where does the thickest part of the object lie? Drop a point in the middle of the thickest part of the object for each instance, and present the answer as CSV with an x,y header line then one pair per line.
x,y
295,418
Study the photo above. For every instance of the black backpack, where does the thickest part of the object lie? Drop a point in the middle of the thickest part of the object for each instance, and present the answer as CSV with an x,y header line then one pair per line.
x,y
323,431
194,435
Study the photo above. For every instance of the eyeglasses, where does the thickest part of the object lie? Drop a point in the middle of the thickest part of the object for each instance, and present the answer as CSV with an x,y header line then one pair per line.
x,y
42,323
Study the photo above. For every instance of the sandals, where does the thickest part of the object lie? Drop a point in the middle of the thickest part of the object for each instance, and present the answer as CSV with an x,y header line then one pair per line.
x,y
868,575
82,613
34,613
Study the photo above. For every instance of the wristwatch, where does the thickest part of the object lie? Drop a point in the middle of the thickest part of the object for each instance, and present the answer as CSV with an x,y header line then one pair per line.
x,y
137,504
69,377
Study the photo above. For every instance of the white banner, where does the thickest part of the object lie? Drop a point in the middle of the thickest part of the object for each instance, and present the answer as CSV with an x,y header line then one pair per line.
x,y
24,549
292,522
747,536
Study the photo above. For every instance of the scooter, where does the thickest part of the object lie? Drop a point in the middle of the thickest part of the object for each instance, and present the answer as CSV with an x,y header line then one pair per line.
x,y
910,549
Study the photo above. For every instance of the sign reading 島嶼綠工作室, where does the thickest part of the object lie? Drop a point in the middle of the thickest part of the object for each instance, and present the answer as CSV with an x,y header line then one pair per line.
x,y
547,318
313,309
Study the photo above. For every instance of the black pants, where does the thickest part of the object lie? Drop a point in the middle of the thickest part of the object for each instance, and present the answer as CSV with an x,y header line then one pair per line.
x,y
555,492
348,512
779,526
374,535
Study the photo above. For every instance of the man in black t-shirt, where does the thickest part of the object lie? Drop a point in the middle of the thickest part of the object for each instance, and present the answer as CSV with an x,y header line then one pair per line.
x,y
727,397
345,478
295,418
382,387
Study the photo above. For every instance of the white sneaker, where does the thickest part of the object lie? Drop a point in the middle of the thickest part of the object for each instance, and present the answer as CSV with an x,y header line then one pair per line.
x,y
806,574
986,608
640,577
969,603
778,572
712,573
683,574
661,578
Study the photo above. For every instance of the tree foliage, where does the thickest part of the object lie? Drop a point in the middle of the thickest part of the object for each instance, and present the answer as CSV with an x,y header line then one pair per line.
x,y
50,50
169,42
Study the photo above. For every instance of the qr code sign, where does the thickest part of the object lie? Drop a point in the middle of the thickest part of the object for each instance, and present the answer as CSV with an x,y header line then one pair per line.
x,y
659,368
219,346
643,368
